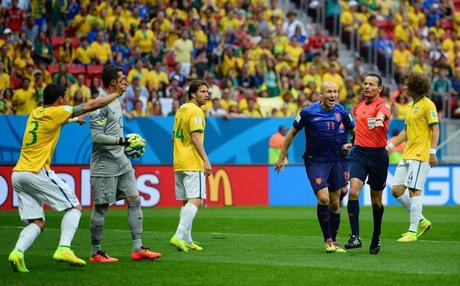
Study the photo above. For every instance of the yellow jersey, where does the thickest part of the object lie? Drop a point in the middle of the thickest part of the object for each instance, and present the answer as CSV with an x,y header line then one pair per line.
x,y
189,119
25,100
41,136
418,120
144,40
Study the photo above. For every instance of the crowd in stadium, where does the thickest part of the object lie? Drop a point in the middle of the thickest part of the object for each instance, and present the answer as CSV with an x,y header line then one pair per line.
x,y
259,60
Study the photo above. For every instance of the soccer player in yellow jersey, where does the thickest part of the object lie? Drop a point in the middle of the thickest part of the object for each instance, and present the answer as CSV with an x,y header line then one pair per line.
x,y
422,134
191,163
36,184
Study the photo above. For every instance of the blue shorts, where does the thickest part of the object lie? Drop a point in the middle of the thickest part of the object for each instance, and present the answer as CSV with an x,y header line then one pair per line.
x,y
371,163
345,163
325,175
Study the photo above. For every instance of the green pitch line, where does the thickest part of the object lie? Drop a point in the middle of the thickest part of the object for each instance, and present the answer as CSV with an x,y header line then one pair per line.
x,y
245,246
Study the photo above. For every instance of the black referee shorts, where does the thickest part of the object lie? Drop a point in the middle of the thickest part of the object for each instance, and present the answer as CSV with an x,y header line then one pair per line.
x,y
371,163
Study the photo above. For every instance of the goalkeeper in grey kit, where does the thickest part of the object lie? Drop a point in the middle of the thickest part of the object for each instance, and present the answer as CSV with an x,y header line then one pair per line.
x,y
112,176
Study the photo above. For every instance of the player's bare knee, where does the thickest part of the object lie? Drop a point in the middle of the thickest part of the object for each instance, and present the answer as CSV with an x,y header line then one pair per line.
x,y
195,201
78,207
353,194
398,190
134,203
323,198
414,193
334,206
39,222
376,202
132,198
101,209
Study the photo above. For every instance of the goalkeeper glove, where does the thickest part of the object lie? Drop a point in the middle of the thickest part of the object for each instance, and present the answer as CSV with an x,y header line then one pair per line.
x,y
132,140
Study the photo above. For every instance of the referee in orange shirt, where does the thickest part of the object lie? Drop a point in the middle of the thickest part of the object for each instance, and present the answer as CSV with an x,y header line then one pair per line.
x,y
369,159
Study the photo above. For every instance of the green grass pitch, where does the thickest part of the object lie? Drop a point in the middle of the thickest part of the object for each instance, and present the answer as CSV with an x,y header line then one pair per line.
x,y
245,246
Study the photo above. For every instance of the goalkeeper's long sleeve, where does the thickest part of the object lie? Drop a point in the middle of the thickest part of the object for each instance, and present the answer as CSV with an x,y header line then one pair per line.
x,y
104,139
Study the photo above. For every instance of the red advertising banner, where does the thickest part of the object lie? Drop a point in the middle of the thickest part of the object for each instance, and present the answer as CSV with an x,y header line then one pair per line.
x,y
227,186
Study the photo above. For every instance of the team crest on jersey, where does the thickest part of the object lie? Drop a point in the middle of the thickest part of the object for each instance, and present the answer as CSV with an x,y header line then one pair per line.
x,y
298,118
318,181
416,109
338,117
68,108
197,120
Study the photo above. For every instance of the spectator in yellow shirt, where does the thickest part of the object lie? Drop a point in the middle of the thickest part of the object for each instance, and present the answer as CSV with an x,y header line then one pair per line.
x,y
5,58
101,50
140,72
402,31
449,43
144,39
6,105
4,77
66,52
200,39
229,22
294,50
183,49
82,21
164,23
415,15
157,77
79,87
24,99
334,76
83,53
402,59
39,85
252,110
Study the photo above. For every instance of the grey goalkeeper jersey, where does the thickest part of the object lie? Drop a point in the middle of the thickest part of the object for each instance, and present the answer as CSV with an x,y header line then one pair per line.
x,y
108,160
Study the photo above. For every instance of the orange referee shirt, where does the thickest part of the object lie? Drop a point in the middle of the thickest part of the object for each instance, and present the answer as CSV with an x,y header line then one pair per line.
x,y
365,114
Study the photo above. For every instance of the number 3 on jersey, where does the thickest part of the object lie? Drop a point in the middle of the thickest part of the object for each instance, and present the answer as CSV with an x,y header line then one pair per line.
x,y
33,132
178,133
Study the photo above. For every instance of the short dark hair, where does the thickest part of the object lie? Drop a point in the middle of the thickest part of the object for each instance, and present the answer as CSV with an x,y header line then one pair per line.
x,y
418,83
194,86
109,73
379,78
52,92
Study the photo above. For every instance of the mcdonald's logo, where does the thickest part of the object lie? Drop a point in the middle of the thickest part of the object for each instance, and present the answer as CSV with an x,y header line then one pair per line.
x,y
220,181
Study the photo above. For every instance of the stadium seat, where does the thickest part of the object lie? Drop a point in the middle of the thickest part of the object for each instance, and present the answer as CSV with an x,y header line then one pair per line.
x,y
94,70
52,69
75,42
76,69
15,81
456,5
387,25
56,53
447,24
69,31
57,41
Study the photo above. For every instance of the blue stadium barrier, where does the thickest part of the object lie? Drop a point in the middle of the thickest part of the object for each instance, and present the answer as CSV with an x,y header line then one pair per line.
x,y
292,188
228,141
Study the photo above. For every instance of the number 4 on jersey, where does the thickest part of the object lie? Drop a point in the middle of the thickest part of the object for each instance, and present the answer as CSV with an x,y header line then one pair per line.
x,y
179,134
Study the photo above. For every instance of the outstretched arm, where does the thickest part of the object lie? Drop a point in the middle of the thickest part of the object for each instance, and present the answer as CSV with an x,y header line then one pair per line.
x,y
279,164
101,101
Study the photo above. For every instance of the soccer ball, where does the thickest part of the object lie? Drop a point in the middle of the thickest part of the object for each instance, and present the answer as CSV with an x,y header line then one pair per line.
x,y
134,152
